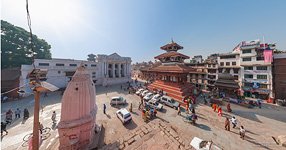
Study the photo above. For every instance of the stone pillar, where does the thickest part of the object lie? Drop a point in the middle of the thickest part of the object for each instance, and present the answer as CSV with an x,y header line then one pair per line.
x,y
113,70
119,70
125,70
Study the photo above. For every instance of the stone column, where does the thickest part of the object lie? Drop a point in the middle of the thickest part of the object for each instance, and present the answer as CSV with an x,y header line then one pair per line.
x,y
119,70
113,70
125,69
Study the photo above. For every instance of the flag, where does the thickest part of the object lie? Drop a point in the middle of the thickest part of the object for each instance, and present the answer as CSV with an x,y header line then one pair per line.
x,y
268,55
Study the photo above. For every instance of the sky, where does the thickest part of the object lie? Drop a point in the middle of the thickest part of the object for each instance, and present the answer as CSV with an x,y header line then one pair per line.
x,y
137,29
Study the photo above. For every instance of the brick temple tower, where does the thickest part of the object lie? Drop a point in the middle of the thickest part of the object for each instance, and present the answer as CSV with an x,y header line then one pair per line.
x,y
78,112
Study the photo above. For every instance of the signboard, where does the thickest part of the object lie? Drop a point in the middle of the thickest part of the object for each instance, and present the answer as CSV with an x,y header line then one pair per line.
x,y
250,43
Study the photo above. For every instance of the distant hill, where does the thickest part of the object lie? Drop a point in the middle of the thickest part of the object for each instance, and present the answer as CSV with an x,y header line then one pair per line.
x,y
15,48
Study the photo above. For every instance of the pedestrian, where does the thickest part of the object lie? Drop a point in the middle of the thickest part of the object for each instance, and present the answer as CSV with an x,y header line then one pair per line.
x,y
26,114
130,109
242,132
187,108
54,115
214,107
227,124
234,122
228,108
3,128
104,108
179,110
259,104
9,116
193,110
219,110
17,113
155,112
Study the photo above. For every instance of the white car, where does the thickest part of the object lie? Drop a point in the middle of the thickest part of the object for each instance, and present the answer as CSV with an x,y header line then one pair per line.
x,y
156,97
124,115
154,104
148,96
144,93
138,92
199,144
118,101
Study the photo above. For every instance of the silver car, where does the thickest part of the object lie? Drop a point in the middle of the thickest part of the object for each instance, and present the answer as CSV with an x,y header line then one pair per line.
x,y
119,100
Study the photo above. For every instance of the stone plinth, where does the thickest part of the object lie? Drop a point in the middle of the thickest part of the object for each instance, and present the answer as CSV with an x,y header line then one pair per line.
x,y
78,112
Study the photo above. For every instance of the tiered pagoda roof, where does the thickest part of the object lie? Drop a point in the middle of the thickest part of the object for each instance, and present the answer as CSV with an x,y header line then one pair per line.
x,y
171,54
177,68
226,80
173,46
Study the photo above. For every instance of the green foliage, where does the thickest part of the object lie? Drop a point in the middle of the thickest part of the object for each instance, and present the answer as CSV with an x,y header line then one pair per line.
x,y
16,48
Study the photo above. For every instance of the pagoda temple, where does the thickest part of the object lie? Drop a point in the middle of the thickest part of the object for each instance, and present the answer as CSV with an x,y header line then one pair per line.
x,y
171,76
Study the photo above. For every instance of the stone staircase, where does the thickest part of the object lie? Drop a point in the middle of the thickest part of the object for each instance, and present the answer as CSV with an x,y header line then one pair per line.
x,y
175,90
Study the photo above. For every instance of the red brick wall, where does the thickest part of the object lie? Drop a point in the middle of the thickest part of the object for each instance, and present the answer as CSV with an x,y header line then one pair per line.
x,y
279,78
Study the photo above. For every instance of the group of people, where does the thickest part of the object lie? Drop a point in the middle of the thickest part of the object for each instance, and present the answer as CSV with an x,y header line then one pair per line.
x,y
234,124
9,115
217,109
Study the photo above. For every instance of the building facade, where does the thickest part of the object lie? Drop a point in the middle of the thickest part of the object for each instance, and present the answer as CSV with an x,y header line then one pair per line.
x,y
279,76
230,63
105,70
211,64
256,72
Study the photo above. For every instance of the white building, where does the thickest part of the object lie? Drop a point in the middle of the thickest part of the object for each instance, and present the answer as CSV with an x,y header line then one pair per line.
x,y
230,63
256,73
105,70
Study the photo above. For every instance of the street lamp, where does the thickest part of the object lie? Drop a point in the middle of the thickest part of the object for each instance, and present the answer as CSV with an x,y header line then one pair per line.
x,y
38,85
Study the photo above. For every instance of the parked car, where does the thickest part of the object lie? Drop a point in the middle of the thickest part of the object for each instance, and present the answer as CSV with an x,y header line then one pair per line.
x,y
138,92
199,144
169,101
118,101
156,97
154,104
144,93
124,115
148,96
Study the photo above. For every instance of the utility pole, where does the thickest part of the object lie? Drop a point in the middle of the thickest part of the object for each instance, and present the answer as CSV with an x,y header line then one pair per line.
x,y
36,119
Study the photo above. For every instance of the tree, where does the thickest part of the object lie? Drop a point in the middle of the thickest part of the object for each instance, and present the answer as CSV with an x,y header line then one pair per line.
x,y
16,48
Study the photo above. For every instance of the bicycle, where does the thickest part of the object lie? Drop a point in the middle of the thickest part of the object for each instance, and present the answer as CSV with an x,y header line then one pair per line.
x,y
45,134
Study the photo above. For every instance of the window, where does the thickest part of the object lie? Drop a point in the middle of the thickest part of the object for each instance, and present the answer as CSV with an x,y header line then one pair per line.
x,y
233,63
248,76
227,57
246,59
227,63
246,51
209,65
213,65
248,68
222,63
60,64
259,58
264,86
261,76
44,64
261,68
93,65
73,65
59,72
235,70
220,70
235,77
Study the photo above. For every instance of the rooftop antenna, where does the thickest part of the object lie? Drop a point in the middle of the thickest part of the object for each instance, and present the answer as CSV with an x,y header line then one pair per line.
x,y
37,83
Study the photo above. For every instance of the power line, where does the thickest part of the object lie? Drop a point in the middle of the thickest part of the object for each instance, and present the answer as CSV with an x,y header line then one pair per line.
x,y
14,89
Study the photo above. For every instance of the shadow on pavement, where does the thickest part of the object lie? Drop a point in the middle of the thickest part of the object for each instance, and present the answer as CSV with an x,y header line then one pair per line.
x,y
258,144
130,126
108,116
204,127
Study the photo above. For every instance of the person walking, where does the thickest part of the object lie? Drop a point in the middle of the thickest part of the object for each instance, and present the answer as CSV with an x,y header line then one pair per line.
x,y
227,124
26,113
219,110
234,122
242,132
130,109
179,110
228,107
54,115
17,113
3,128
104,109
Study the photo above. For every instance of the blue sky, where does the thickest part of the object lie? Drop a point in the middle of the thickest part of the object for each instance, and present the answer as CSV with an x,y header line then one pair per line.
x,y
138,28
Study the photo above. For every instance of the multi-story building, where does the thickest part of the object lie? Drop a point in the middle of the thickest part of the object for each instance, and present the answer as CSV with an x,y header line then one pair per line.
x,y
256,72
279,76
230,63
198,76
105,70
211,65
